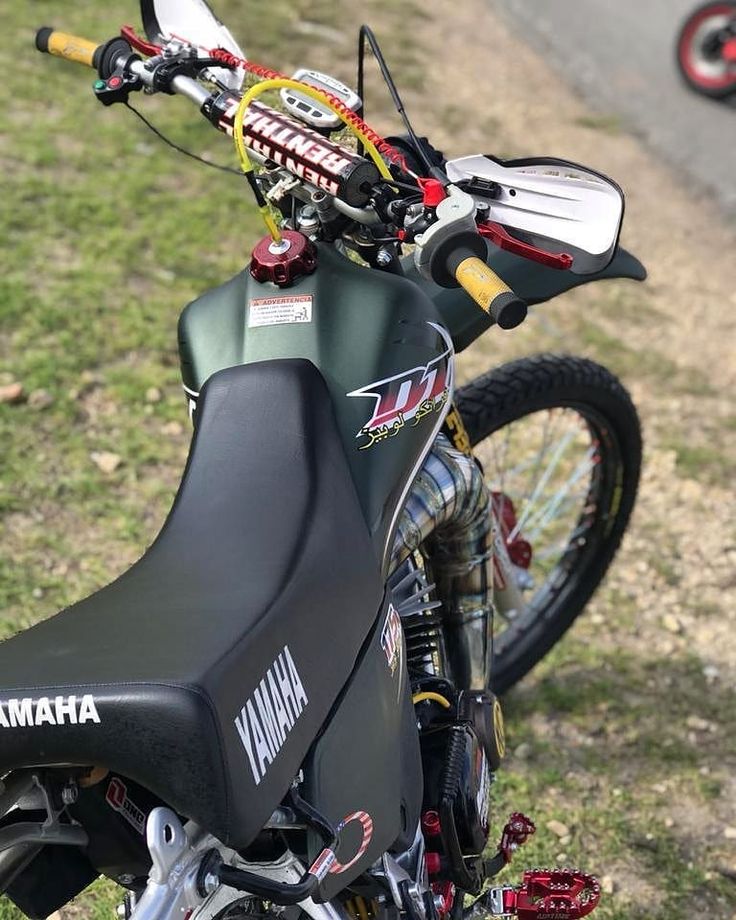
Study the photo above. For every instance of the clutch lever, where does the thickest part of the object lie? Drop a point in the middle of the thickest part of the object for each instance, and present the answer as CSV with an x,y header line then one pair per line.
x,y
498,235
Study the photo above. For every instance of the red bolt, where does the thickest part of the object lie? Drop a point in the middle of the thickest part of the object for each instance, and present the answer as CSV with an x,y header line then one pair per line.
x,y
434,863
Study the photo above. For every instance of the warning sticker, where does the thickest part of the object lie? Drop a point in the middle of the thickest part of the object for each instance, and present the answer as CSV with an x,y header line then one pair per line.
x,y
275,311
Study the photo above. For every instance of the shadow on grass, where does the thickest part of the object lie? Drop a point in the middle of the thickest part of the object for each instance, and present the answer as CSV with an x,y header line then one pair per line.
x,y
647,708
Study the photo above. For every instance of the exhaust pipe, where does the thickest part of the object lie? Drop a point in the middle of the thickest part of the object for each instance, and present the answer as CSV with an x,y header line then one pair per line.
x,y
448,517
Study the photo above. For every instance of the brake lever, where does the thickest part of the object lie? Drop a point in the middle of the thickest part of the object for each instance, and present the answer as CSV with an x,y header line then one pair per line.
x,y
498,235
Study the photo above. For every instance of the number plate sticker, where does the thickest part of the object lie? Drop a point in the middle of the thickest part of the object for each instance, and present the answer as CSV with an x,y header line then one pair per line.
x,y
279,311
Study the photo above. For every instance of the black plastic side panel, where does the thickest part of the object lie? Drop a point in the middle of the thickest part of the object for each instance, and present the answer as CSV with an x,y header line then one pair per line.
x,y
533,282
368,761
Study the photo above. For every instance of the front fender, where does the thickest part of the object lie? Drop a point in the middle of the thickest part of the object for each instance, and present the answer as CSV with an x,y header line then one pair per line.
x,y
533,282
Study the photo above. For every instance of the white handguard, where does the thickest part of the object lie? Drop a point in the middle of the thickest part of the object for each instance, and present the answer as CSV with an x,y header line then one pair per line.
x,y
552,204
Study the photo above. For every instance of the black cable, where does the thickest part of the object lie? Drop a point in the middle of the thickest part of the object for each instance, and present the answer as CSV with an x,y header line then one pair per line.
x,y
314,819
366,33
187,153
360,87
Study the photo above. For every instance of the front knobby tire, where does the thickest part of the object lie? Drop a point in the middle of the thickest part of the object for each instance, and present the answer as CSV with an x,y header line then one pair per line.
x,y
532,395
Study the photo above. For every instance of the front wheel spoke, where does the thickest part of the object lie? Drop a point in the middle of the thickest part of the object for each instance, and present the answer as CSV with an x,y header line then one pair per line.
x,y
549,552
501,467
536,528
542,483
549,431
547,513
576,540
517,471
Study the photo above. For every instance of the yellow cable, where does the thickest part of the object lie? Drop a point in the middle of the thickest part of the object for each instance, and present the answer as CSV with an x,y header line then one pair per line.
x,y
314,93
271,225
429,695
362,912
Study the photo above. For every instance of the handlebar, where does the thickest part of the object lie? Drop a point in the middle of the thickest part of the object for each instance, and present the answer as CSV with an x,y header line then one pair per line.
x,y
105,57
450,252
69,47
490,292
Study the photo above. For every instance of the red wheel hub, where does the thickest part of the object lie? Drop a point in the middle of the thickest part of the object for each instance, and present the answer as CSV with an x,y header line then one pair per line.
x,y
729,51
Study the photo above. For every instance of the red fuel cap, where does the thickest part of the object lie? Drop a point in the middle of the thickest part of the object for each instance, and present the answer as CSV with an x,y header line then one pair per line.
x,y
283,263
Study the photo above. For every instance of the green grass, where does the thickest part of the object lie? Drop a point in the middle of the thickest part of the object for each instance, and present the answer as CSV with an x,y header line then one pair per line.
x,y
99,902
608,124
106,234
603,729
710,463
646,362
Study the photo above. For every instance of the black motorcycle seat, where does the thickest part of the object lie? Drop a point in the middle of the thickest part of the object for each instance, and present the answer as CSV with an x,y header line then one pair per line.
x,y
202,673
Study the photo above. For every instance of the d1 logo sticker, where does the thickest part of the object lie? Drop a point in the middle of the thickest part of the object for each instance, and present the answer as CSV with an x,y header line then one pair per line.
x,y
408,397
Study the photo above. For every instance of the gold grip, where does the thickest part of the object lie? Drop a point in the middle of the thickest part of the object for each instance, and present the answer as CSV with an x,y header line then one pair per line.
x,y
71,47
480,281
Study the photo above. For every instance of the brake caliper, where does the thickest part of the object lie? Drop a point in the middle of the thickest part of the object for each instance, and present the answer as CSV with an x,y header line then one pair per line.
x,y
546,894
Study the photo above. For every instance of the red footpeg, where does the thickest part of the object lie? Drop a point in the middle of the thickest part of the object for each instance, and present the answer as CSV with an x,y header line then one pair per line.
x,y
547,894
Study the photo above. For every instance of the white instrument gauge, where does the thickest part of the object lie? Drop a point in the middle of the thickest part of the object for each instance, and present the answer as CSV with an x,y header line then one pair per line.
x,y
314,113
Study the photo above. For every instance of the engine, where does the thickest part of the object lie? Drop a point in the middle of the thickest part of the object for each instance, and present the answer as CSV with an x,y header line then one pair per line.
x,y
461,747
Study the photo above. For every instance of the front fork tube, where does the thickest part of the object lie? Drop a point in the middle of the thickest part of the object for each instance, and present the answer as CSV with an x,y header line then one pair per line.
x,y
454,429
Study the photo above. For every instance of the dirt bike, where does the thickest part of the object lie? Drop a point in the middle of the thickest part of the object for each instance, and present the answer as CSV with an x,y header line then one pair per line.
x,y
287,704
706,50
